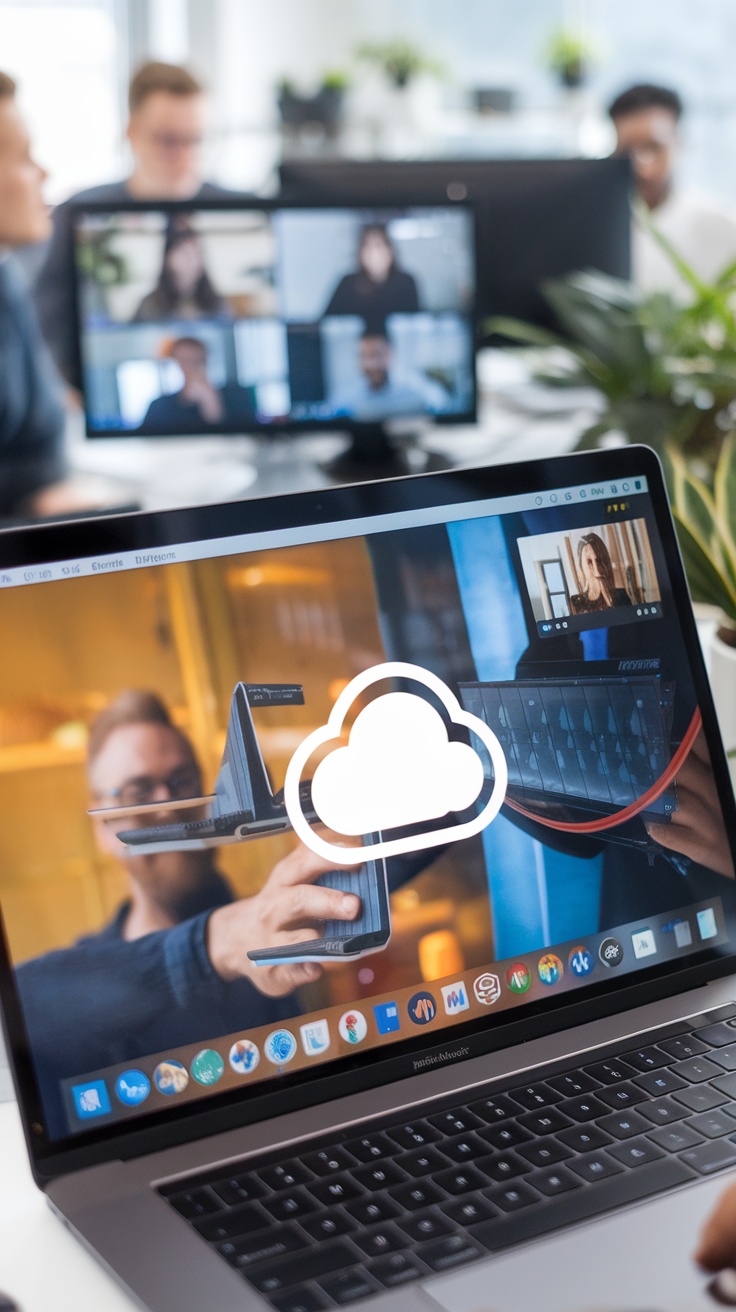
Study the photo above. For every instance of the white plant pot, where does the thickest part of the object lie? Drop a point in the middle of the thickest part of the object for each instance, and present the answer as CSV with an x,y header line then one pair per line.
x,y
722,670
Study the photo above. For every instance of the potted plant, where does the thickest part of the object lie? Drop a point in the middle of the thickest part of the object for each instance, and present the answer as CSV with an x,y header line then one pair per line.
x,y
569,55
399,60
706,527
324,107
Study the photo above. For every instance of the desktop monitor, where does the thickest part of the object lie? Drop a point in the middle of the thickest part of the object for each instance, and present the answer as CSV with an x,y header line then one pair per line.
x,y
248,317
537,219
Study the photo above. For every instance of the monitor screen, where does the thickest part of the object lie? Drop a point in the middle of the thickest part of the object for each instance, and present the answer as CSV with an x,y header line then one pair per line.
x,y
234,318
537,218
293,799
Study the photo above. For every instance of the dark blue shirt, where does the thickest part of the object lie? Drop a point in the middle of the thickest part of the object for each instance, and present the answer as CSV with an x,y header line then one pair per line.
x,y
31,415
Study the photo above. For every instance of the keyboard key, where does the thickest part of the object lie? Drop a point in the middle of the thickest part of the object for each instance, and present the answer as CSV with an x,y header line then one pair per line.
x,y
285,1175
572,1084
339,1190
328,1161
423,1163
238,1189
700,1097
612,1071
505,1166
514,1197
299,1300
328,1225
725,1057
197,1202
266,1244
426,1225
369,1211
674,1139
461,1180
547,1122
624,1125
545,1152
710,1157
309,1265
416,1135
533,1096
396,1269
372,1148
658,1082
467,1211
713,1124
663,1111
494,1109
382,1239
622,1095
696,1069
464,1149
295,1203
418,1193
726,1084
685,1045
378,1177
452,1251
594,1166
229,1225
507,1135
648,1059
458,1122
636,1152
557,1181
587,1108
348,1286
584,1138
716,1036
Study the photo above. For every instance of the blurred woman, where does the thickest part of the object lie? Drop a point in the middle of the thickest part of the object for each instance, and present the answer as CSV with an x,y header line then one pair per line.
x,y
595,568
183,290
378,287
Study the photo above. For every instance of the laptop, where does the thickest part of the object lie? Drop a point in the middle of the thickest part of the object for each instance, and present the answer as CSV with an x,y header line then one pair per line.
x,y
530,1089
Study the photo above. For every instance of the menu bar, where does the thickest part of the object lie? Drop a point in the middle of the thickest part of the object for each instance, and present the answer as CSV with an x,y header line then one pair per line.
x,y
180,553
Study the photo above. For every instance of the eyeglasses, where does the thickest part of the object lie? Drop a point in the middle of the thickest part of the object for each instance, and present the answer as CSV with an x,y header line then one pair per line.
x,y
144,789
177,141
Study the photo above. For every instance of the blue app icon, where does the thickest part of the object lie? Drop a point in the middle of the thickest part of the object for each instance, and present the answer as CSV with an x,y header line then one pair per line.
x,y
422,1008
581,962
132,1087
91,1099
387,1017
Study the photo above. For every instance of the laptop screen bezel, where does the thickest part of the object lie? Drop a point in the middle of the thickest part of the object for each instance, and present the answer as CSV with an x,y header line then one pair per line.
x,y
59,542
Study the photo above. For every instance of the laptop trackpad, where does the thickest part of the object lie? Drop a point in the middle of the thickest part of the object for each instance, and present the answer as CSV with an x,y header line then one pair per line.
x,y
637,1260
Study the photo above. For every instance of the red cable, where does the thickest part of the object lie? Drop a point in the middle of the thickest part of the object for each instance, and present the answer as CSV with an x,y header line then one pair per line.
x,y
628,813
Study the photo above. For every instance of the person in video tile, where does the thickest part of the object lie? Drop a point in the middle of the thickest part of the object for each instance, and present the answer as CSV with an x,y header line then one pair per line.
x,y
183,290
381,392
198,406
378,287
595,568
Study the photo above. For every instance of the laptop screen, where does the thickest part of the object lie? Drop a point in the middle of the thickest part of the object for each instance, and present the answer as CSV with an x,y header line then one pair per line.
x,y
286,802
233,317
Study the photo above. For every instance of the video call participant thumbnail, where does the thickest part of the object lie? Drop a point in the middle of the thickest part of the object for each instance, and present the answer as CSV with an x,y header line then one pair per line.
x,y
197,406
595,568
184,289
378,287
380,392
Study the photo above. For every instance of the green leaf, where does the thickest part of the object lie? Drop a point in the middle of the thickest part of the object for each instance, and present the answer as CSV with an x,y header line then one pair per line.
x,y
518,331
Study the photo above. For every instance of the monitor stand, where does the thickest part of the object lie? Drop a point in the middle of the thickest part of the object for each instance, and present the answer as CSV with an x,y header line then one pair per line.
x,y
372,454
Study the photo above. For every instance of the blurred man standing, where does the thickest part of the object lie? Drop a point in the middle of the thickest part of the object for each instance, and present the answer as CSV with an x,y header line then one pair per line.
x,y
167,115
31,417
701,230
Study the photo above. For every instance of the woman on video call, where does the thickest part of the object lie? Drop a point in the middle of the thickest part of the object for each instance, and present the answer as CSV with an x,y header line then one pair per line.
x,y
183,290
378,287
595,568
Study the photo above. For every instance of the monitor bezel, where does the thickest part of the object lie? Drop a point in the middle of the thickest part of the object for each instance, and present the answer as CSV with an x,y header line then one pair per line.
x,y
45,544
271,205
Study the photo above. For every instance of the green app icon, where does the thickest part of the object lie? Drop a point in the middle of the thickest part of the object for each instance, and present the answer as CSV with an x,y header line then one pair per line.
x,y
207,1066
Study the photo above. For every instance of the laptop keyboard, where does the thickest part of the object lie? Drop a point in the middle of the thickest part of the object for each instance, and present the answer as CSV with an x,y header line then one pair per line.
x,y
376,1206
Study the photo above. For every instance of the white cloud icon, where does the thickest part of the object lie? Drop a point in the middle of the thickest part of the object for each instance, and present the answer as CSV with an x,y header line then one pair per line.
x,y
399,769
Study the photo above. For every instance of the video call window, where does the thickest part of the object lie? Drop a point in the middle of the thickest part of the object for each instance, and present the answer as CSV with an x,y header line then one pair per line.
x,y
591,577
231,319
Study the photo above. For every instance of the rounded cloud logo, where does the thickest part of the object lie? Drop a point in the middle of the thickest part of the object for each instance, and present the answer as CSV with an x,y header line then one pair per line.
x,y
398,769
